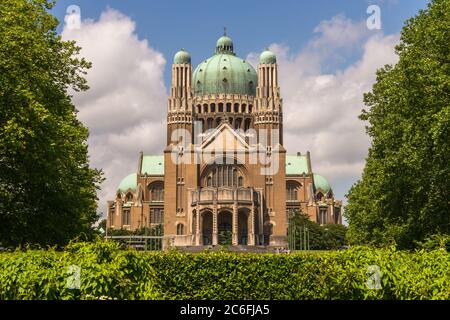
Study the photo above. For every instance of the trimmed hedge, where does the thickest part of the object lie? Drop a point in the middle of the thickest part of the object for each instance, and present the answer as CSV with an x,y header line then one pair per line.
x,y
110,273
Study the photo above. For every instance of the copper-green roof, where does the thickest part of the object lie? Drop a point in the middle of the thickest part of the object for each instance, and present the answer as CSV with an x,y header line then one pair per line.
x,y
224,72
321,183
296,164
153,165
182,57
129,182
267,57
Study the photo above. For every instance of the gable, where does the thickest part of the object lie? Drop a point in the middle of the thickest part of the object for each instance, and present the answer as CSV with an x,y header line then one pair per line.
x,y
224,138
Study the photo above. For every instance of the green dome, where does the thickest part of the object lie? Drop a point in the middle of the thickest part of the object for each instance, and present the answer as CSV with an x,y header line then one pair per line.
x,y
182,57
224,44
321,183
224,72
267,57
129,182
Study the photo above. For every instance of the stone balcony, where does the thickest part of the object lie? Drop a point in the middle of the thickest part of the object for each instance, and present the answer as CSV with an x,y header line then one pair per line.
x,y
224,195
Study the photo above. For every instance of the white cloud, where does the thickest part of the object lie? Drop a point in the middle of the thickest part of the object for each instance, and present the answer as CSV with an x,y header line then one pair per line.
x,y
126,105
321,109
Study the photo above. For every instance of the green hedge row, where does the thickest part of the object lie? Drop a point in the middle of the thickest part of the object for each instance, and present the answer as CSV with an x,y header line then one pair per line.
x,y
110,273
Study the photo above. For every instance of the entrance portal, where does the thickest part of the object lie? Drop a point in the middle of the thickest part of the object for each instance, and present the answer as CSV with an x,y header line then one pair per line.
x,y
243,227
207,226
225,226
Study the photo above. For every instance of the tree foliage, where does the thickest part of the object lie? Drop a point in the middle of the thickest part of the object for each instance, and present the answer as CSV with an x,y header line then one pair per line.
x,y
321,237
47,189
404,193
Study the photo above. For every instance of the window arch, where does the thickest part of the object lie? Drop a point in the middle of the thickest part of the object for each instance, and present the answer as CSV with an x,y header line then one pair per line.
x,y
129,197
292,191
223,175
236,107
156,191
180,229
319,196
247,124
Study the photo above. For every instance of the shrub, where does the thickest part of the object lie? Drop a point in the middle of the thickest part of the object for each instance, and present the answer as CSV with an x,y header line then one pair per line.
x,y
109,272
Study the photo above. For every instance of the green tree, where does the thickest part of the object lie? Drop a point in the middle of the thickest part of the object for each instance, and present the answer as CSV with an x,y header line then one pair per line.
x,y
326,237
403,196
47,189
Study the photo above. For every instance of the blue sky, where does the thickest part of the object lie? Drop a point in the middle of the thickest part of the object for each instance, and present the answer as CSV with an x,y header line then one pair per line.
x,y
326,55
195,25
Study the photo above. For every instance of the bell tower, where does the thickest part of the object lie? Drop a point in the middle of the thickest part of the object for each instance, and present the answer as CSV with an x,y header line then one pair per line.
x,y
268,119
269,114
179,109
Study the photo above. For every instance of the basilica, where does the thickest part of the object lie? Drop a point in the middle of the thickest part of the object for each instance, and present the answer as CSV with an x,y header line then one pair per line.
x,y
224,177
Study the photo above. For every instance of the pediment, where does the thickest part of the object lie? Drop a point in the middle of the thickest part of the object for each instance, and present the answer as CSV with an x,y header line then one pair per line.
x,y
224,137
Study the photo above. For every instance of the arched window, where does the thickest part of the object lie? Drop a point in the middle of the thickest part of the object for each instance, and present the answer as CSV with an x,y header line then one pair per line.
x,y
247,124
156,191
292,191
319,196
180,229
126,217
236,107
250,107
199,108
220,107
243,107
213,107
129,197
228,107
223,175
238,123
210,122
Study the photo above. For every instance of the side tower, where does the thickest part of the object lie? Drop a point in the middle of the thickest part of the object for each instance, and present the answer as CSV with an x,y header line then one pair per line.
x,y
179,137
268,120
179,109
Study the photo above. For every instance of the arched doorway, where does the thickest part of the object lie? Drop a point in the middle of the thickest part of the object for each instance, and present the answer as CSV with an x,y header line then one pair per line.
x,y
225,226
268,231
207,227
243,215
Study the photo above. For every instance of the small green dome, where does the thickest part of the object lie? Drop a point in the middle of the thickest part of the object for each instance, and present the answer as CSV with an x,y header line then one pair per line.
x,y
182,57
267,57
224,44
129,182
321,183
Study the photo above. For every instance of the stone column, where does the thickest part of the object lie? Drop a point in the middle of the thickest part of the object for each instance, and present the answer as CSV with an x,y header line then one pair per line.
x,y
215,229
198,234
234,238
251,227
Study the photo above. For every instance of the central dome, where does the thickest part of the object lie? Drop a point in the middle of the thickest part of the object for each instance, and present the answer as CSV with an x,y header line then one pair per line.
x,y
224,72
